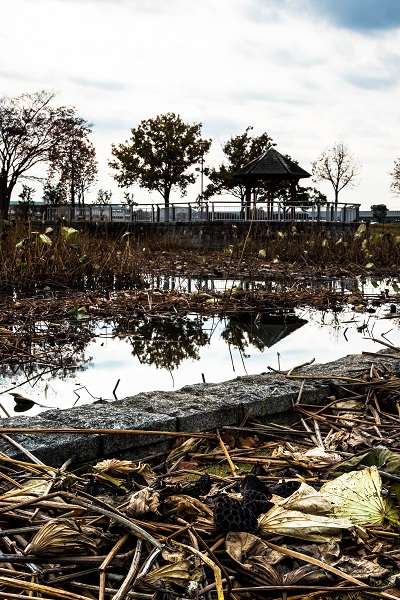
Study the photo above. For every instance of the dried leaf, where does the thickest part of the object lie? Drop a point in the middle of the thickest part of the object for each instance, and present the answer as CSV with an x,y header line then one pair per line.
x,y
146,500
31,488
187,505
248,442
113,466
361,568
293,523
315,457
240,546
176,573
183,445
228,440
307,500
61,537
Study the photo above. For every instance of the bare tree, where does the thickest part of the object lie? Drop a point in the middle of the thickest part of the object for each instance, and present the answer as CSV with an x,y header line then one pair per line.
x,y
31,132
338,166
395,186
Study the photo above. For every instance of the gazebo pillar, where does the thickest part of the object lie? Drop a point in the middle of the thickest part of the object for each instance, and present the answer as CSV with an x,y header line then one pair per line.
x,y
247,203
293,185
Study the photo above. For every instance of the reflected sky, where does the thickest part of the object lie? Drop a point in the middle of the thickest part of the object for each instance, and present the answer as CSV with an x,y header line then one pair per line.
x,y
121,358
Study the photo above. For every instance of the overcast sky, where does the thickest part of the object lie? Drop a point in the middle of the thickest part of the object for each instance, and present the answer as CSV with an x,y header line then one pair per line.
x,y
307,72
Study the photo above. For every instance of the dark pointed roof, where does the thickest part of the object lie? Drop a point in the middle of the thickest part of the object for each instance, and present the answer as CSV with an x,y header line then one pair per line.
x,y
272,165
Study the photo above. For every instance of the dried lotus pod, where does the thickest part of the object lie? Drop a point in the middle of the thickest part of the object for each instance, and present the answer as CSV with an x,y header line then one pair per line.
x,y
201,487
61,537
231,515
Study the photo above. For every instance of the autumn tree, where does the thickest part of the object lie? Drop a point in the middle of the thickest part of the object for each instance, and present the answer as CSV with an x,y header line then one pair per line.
x,y
31,133
239,150
395,186
379,212
54,192
25,202
74,162
104,197
159,154
338,166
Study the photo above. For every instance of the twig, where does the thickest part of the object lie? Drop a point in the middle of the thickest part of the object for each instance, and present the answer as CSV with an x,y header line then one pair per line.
x,y
26,430
106,562
225,451
126,584
314,561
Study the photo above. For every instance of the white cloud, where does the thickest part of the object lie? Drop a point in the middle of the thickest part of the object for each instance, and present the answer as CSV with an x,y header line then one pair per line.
x,y
307,72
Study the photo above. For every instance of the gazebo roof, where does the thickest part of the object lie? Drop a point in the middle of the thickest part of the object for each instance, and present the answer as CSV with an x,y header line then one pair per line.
x,y
272,165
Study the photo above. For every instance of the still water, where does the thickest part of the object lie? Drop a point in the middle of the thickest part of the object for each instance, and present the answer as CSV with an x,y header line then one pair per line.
x,y
122,358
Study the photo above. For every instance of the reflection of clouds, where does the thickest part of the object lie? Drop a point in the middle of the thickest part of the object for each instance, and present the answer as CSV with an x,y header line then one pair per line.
x,y
322,338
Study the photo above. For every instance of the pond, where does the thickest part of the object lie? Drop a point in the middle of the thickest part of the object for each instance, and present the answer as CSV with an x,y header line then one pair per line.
x,y
123,357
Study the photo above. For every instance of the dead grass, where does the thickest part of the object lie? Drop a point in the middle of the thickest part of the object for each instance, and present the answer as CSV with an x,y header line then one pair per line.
x,y
70,259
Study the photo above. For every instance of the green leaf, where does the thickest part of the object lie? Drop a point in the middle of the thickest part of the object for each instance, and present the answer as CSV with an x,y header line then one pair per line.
x,y
358,496
22,244
360,231
69,234
127,237
77,314
44,240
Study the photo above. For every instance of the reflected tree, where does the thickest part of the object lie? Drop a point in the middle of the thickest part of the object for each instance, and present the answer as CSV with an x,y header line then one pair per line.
x,y
164,343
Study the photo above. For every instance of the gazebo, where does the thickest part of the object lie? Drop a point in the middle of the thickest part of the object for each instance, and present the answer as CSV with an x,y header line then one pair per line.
x,y
270,169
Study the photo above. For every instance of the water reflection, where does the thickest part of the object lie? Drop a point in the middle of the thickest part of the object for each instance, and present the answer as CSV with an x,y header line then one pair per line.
x,y
262,331
363,286
163,342
80,362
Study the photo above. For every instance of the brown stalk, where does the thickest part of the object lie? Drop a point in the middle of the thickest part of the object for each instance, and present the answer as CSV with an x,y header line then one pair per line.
x,y
106,562
26,430
44,589
226,453
126,584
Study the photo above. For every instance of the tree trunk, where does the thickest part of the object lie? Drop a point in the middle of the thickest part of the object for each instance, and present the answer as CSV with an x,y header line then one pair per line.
x,y
166,204
5,196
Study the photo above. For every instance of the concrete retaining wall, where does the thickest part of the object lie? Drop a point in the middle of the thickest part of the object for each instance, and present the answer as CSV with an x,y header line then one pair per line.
x,y
212,235
199,407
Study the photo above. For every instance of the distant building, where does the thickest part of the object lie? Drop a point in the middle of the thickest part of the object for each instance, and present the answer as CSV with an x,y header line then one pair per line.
x,y
392,216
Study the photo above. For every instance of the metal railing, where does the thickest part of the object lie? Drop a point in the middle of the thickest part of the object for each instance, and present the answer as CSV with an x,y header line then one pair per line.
x,y
192,212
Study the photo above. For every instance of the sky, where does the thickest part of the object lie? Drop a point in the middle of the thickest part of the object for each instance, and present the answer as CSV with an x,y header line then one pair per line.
x,y
307,72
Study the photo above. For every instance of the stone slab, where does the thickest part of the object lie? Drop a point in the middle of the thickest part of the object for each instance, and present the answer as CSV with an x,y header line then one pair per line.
x,y
198,407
